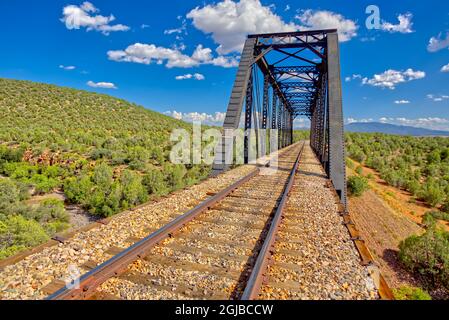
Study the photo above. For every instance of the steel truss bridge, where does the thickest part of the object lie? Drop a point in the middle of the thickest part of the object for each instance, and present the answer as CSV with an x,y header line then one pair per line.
x,y
284,76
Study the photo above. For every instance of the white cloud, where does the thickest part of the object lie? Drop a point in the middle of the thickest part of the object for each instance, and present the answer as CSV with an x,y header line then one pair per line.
x,y
437,98
352,120
216,119
427,123
230,22
144,26
315,19
438,43
181,29
103,85
287,7
301,123
445,68
68,68
196,76
405,24
353,77
76,17
402,102
391,78
150,53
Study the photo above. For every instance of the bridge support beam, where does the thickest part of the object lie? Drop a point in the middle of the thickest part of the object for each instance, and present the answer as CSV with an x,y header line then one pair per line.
x,y
337,163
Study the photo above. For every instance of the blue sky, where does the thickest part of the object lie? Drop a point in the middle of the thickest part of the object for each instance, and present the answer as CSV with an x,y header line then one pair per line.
x,y
181,55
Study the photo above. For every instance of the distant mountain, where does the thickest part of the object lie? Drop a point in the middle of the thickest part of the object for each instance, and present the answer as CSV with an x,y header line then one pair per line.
x,y
393,129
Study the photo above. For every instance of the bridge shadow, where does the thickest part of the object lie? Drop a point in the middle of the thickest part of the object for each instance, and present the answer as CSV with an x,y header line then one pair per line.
x,y
249,265
312,174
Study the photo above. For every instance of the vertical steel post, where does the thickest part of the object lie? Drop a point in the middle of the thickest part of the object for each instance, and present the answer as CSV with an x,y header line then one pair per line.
x,y
337,165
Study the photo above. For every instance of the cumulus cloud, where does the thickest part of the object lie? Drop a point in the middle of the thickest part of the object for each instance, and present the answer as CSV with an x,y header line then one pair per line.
x,y
216,119
445,68
316,19
405,24
103,85
391,78
150,53
402,102
230,22
195,76
438,43
83,16
68,68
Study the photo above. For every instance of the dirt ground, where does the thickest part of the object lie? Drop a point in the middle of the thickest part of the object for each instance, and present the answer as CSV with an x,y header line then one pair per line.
x,y
385,216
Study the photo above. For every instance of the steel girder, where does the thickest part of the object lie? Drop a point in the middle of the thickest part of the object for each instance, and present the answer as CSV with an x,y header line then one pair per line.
x,y
301,71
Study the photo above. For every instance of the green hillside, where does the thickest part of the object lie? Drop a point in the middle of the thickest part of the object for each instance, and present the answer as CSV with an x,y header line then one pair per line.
x,y
104,153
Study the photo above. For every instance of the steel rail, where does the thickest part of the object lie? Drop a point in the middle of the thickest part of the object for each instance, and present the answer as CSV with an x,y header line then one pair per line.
x,y
256,278
118,264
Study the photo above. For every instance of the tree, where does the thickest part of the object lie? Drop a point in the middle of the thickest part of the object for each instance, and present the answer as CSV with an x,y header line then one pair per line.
x,y
357,185
18,233
174,176
133,190
9,194
103,177
428,254
155,183
432,193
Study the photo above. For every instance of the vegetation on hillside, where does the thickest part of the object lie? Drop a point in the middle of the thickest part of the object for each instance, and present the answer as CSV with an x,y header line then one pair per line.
x,y
104,153
428,254
419,165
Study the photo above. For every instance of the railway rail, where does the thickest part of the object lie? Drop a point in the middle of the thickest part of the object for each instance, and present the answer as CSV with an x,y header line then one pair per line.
x,y
221,249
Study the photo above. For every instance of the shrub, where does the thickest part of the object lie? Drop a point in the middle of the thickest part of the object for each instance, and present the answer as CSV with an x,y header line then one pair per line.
x,y
9,193
428,254
44,184
359,170
432,194
18,233
410,293
133,190
357,186
440,215
103,177
350,163
78,189
155,183
175,176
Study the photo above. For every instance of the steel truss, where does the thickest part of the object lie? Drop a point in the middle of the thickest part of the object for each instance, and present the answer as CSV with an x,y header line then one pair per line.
x,y
300,76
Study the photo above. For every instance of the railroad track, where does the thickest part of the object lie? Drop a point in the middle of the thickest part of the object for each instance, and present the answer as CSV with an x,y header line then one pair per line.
x,y
209,252
248,241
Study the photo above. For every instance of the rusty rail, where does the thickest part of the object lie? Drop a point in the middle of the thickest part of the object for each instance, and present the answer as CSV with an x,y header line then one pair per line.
x,y
256,278
118,264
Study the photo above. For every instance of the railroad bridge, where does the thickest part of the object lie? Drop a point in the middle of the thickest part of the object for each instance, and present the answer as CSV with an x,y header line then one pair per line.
x,y
283,76
240,234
